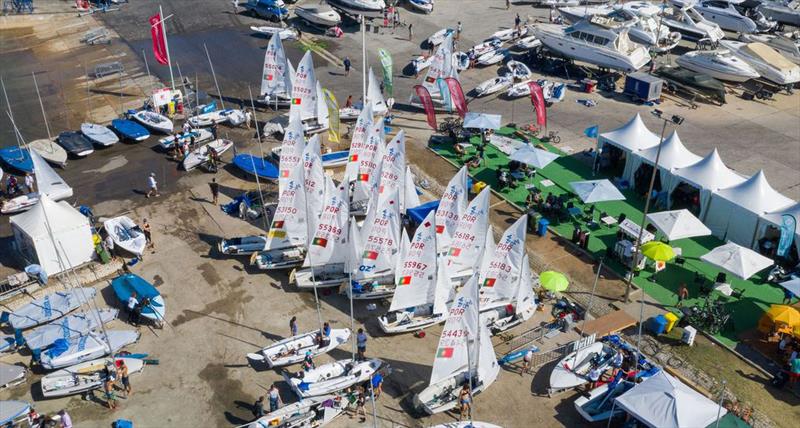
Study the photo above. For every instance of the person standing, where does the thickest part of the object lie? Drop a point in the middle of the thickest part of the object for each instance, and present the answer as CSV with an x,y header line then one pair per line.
x,y
293,326
360,410
29,183
396,19
66,419
109,243
377,384
349,102
152,185
258,408
526,361
465,401
347,64
123,376
410,32
133,302
361,343
248,118
517,21
214,130
214,186
108,391
274,395
148,234
459,28
326,329
683,294
508,4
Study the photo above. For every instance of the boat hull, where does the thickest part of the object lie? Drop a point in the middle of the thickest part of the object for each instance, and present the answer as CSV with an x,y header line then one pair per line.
x,y
279,258
292,350
83,377
407,324
50,151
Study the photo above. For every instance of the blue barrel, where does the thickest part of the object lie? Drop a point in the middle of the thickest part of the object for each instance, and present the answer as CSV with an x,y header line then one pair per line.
x,y
541,229
658,324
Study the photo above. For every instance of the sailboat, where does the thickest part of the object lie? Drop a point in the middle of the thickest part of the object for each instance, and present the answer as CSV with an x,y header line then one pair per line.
x,y
374,98
368,171
499,275
469,239
93,345
423,287
503,318
306,97
360,152
464,355
451,208
276,77
85,376
313,411
68,327
332,377
441,67
48,182
293,350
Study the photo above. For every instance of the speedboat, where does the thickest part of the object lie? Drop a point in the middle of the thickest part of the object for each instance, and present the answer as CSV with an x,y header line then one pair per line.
x,y
787,44
293,350
242,246
99,134
724,14
355,6
487,46
130,129
198,135
50,151
154,121
126,234
200,155
65,353
495,84
332,377
492,57
319,15
284,33
701,83
424,6
75,143
594,43
683,18
573,370
642,27
438,37
719,64
782,11
85,376
528,42
770,64
518,70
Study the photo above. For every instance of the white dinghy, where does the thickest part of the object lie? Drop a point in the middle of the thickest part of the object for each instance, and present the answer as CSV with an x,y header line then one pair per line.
x,y
573,370
86,376
519,70
527,43
421,63
293,350
50,151
494,85
126,234
48,182
88,347
492,57
50,307
70,326
99,134
12,375
277,76
242,246
289,33
500,273
200,155
312,411
451,208
438,37
235,117
490,45
521,89
332,377
509,34
153,121
199,135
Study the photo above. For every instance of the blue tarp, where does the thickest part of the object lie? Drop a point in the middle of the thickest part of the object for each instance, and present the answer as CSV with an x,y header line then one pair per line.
x,y
417,214
59,347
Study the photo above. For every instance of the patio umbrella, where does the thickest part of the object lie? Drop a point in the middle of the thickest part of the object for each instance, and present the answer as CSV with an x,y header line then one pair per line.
x,y
737,260
784,314
534,157
553,281
796,332
482,121
658,251
596,191
792,285
678,224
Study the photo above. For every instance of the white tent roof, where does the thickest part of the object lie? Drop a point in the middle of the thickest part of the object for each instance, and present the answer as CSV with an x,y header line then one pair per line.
x,y
482,120
596,191
775,216
678,224
673,154
756,195
60,214
792,285
661,401
737,260
534,157
631,137
47,180
709,173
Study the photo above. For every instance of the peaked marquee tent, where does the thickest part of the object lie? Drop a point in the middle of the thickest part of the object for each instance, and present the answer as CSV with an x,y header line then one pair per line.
x,y
775,218
709,175
673,155
631,138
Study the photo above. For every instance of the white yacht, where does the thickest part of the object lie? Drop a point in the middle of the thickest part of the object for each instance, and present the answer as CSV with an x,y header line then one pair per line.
x,y
782,11
319,15
719,64
728,17
642,28
770,64
683,18
359,5
594,42
787,44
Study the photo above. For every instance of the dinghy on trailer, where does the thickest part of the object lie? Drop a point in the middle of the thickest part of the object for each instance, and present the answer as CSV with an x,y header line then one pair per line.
x,y
200,155
66,353
99,134
199,135
126,234
11,375
277,75
573,370
50,151
293,350
125,285
85,376
255,165
154,121
130,130
243,246
494,85
332,377
48,182
313,411
50,307
70,326
75,143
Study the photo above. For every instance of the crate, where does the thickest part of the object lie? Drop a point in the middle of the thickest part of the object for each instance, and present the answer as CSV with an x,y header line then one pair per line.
x,y
643,87
107,69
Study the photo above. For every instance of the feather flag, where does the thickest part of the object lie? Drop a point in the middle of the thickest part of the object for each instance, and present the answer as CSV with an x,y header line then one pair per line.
x,y
427,103
159,39
457,96
537,99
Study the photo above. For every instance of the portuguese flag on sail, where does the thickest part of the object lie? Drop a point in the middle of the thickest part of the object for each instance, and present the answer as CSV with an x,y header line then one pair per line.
x,y
371,255
404,280
363,177
445,353
322,242
354,157
296,101
455,252
278,224
489,282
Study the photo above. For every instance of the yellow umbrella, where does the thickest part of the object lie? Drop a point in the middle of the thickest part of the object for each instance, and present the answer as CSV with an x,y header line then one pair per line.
x,y
784,314
658,251
553,281
796,331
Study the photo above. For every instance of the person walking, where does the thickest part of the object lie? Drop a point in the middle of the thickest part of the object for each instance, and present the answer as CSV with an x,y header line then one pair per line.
x,y
29,182
410,32
122,372
258,408
361,343
133,302
377,384
517,21
396,18
152,186
347,64
465,401
148,234
293,326
214,186
508,4
683,294
274,398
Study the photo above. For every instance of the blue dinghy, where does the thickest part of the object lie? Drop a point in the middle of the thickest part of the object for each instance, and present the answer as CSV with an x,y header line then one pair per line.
x,y
130,130
254,165
17,158
125,285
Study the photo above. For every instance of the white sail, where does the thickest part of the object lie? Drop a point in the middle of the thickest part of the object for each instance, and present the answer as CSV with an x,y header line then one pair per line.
x,y
329,243
380,238
488,369
393,167
405,245
525,298
469,237
357,142
461,326
323,118
276,76
488,250
440,66
501,278
354,249
374,95
314,180
369,166
443,291
451,208
48,182
411,199
416,276
289,226
304,89
292,147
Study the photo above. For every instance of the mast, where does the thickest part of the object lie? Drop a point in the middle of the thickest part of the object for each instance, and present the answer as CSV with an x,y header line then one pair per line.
x,y
42,105
350,285
11,115
166,45
363,60
214,75
308,253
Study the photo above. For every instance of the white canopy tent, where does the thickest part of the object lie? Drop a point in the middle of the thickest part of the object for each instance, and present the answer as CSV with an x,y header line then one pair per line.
x,y
708,175
631,138
592,191
673,155
775,218
70,231
662,401
534,157
737,260
482,121
792,285
678,224
734,213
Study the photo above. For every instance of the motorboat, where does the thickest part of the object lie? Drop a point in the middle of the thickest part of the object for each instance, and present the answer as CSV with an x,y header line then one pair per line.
x,y
770,64
594,42
783,11
420,63
197,135
154,121
487,46
85,376
288,33
310,412
356,6
293,350
99,134
519,71
492,57
509,34
438,37
59,303
719,64
573,370
65,353
242,246
724,14
126,285
683,18
130,130
70,326
50,151
493,85
12,375
424,6
332,377
351,113
75,143
787,44
460,61
527,43
200,155
319,15
642,26
679,78
126,234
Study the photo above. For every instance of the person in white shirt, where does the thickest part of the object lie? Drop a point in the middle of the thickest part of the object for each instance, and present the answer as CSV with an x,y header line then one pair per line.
x,y
109,243
152,185
29,182
133,303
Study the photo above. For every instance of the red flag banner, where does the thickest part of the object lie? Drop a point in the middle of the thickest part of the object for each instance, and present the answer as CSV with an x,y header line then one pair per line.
x,y
457,96
159,40
427,102
537,99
